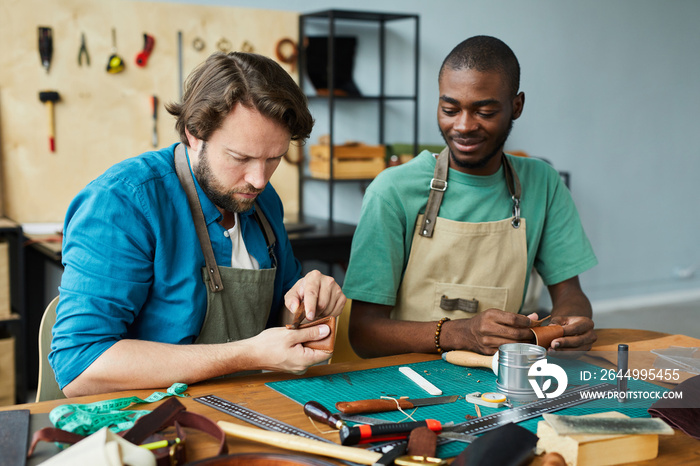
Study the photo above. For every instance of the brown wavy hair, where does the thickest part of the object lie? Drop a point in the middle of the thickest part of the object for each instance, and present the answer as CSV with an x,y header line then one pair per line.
x,y
223,80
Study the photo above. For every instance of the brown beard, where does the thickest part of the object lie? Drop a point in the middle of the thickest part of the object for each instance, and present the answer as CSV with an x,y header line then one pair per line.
x,y
215,192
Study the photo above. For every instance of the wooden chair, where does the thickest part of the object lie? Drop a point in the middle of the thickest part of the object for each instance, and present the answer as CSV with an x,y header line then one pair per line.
x,y
47,388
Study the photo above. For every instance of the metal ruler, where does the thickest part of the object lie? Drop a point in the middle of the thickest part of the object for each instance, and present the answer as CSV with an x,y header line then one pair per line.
x,y
530,410
569,398
254,417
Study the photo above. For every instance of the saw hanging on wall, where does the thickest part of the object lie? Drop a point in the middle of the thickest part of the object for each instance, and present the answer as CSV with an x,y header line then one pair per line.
x,y
115,64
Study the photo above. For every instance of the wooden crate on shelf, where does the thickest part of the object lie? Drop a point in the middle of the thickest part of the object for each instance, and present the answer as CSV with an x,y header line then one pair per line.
x,y
351,161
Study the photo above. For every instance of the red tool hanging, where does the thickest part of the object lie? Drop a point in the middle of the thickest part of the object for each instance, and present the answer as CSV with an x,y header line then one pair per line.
x,y
148,43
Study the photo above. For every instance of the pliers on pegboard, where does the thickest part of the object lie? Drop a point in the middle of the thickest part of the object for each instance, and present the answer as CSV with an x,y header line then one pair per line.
x,y
83,51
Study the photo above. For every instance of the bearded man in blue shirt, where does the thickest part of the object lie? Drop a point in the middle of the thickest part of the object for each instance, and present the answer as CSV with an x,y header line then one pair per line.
x,y
177,263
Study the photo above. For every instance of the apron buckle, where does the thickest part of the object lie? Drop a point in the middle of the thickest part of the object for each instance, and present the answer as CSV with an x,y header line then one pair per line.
x,y
516,212
435,187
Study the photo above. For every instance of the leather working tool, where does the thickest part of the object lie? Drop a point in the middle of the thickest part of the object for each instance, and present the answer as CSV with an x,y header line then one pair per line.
x,y
382,405
45,46
397,431
318,412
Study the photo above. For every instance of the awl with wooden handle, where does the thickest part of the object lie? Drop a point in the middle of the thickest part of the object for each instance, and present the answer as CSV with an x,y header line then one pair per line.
x,y
471,359
382,405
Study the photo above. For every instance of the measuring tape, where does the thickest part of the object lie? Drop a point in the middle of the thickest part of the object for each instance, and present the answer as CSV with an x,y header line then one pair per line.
x,y
489,399
530,410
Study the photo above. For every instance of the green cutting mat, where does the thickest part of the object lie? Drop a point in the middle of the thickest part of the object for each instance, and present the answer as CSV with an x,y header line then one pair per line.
x,y
452,380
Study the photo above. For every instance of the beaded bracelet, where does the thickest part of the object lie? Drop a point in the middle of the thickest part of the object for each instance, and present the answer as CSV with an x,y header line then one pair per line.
x,y
437,333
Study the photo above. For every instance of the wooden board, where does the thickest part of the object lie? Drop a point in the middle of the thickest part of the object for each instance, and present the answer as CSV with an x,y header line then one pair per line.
x,y
103,118
598,450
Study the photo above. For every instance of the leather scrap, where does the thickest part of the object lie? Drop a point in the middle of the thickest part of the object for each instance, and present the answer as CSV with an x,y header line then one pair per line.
x,y
326,345
681,413
422,442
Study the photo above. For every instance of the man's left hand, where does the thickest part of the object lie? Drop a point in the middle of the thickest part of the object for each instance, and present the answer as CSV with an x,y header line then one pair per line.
x,y
320,293
578,333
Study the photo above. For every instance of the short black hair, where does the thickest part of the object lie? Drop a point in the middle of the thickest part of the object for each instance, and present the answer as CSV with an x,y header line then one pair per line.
x,y
485,53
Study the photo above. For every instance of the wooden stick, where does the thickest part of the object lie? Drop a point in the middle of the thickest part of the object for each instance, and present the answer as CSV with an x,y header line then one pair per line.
x,y
296,443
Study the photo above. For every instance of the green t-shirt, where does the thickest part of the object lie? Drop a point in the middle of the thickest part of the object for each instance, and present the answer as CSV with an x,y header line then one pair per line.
x,y
557,246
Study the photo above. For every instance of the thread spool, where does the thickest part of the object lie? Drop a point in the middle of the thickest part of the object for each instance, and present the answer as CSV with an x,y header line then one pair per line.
x,y
514,362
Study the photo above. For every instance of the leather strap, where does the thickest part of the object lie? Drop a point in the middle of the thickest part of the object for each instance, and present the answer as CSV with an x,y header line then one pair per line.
x,y
169,413
438,186
459,304
269,234
182,168
161,417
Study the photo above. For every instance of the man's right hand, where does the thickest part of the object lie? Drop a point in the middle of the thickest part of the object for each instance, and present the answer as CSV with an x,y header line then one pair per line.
x,y
486,331
281,349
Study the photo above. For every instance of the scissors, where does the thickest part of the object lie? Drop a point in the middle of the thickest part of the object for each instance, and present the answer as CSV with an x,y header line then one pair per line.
x,y
83,51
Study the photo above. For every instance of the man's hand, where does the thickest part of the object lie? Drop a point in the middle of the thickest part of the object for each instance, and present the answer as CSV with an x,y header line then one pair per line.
x,y
578,333
486,331
281,349
320,293
572,310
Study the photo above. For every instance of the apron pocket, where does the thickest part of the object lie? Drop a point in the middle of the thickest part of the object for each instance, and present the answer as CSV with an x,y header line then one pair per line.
x,y
487,296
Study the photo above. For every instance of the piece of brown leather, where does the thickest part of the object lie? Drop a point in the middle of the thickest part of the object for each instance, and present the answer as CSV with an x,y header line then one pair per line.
x,y
299,315
459,304
327,344
545,335
422,442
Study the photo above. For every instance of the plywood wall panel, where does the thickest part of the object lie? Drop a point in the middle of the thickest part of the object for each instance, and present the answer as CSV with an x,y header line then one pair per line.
x,y
103,118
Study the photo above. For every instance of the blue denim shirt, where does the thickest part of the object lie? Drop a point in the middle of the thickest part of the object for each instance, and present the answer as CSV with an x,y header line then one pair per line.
x,y
133,262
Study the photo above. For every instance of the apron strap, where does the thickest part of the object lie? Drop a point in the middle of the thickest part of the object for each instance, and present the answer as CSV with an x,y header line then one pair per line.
x,y
183,169
269,234
514,188
438,186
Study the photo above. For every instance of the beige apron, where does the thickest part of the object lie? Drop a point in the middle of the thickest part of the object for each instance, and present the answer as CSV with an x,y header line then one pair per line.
x,y
238,300
457,269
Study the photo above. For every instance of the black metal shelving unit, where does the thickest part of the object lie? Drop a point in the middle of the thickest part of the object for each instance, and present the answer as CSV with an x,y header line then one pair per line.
x,y
331,18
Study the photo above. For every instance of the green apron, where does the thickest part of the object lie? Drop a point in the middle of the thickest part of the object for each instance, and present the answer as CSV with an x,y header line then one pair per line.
x,y
238,300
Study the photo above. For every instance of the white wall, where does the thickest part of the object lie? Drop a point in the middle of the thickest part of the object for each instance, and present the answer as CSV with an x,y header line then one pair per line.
x,y
612,96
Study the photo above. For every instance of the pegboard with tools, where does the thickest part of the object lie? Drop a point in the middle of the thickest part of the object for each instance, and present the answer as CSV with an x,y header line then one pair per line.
x,y
103,62
452,380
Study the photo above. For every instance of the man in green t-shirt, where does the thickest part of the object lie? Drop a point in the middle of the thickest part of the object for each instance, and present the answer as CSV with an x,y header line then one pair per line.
x,y
442,254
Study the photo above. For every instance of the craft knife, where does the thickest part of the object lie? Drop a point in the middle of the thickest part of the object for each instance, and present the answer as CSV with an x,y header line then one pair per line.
x,y
382,405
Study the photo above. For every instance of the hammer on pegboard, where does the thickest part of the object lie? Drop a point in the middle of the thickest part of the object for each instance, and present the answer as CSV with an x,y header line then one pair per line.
x,y
49,98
